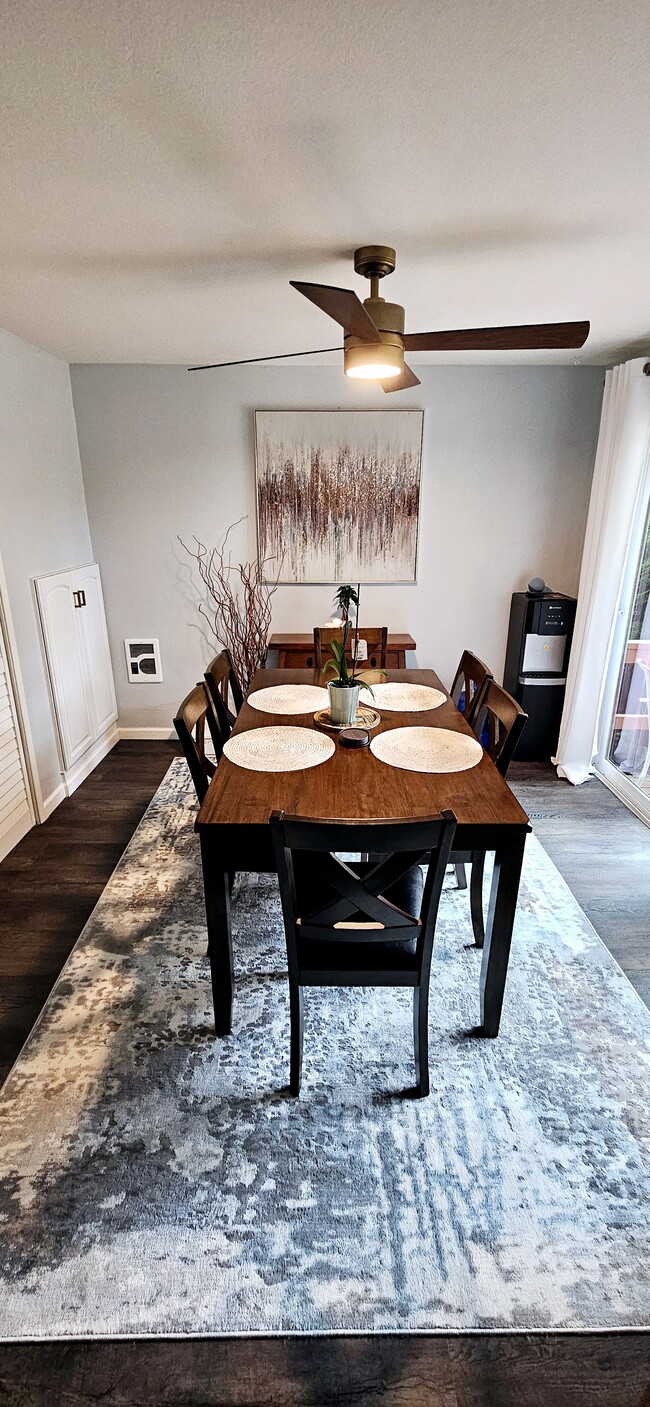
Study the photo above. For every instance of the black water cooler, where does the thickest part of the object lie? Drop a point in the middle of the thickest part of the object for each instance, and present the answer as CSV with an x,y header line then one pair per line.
x,y
537,658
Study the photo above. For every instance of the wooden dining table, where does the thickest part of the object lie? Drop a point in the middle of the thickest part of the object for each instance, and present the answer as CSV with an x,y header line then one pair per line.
x,y
233,824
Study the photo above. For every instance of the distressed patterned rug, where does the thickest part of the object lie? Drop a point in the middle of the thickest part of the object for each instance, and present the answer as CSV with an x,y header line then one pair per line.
x,y
157,1181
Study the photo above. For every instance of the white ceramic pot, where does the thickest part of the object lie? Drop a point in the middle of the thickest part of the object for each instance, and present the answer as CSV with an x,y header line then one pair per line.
x,y
344,702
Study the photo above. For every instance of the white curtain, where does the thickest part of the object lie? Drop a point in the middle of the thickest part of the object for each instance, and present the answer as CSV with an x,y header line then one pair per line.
x,y
623,447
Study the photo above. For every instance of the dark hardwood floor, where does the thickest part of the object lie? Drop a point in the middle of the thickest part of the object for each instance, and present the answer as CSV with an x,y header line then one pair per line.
x,y
48,887
50,883
469,1370
603,852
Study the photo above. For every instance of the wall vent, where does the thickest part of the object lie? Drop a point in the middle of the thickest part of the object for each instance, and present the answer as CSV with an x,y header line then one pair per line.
x,y
143,661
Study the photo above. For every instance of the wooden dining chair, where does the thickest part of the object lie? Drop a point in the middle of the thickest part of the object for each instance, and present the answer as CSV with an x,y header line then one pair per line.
x,y
224,690
376,640
189,723
470,682
361,924
501,719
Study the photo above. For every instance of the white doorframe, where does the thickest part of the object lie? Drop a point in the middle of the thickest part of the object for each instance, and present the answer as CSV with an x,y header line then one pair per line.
x,y
25,740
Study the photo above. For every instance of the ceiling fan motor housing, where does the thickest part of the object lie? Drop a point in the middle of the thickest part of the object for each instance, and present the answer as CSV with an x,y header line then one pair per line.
x,y
389,319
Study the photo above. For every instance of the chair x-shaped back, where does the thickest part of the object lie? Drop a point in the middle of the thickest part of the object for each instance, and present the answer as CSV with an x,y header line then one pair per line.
x,y
361,895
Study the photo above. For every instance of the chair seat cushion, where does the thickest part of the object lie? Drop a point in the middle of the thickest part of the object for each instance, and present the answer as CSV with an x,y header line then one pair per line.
x,y
347,956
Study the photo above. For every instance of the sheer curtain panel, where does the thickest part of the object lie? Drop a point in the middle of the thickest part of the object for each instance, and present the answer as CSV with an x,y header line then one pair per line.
x,y
619,470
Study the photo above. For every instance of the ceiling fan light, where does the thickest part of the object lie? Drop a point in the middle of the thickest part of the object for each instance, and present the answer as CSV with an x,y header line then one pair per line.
x,y
373,361
375,371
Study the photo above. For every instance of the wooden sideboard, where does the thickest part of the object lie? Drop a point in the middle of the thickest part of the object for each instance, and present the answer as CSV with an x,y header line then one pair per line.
x,y
297,651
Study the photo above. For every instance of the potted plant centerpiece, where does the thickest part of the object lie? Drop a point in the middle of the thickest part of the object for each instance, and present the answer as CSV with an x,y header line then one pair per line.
x,y
344,688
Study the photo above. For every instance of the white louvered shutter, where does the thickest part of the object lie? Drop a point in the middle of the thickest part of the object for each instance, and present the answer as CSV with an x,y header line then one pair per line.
x,y
15,811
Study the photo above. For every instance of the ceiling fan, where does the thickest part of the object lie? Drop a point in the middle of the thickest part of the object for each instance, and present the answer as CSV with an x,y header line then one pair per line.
x,y
375,340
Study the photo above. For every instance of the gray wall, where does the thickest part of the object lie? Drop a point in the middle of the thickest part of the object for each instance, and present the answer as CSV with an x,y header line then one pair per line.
x,y
507,462
43,519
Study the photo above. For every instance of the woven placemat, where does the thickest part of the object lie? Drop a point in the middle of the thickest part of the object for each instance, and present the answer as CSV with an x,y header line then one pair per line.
x,y
278,749
396,697
288,698
427,749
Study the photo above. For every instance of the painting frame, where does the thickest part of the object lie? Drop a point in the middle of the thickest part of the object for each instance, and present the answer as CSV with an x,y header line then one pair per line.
x,y
385,425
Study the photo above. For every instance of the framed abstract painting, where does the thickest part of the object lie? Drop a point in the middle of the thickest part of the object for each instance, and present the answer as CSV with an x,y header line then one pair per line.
x,y
338,494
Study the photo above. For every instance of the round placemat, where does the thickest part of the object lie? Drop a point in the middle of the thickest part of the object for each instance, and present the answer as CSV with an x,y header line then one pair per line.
x,y
396,697
288,698
427,749
278,749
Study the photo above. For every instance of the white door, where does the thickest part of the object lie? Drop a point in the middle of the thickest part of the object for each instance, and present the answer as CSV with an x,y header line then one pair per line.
x,y
15,809
92,620
67,664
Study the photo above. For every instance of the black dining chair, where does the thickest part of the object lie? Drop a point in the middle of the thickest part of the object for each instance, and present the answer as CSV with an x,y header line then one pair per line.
x,y
502,720
470,682
361,924
195,711
225,690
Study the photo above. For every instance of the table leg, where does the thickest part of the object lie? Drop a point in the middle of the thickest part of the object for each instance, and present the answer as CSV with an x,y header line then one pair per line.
x,y
216,884
508,861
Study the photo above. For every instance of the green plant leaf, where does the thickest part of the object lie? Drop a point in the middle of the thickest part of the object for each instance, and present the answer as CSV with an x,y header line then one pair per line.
x,y
339,661
344,597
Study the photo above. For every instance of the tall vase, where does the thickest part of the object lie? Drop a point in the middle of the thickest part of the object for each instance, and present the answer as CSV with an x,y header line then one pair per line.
x,y
344,702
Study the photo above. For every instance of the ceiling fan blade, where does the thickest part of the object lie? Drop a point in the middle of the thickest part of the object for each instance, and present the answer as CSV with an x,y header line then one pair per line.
x,y
342,305
400,383
500,339
270,357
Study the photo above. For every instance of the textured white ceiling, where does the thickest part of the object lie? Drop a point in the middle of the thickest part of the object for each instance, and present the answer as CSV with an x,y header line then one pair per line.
x,y
167,165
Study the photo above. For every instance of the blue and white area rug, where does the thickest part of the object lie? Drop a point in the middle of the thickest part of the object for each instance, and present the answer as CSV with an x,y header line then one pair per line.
x,y
157,1181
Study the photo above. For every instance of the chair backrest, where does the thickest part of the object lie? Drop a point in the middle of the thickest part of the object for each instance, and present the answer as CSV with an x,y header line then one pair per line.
x,y
190,723
471,678
344,906
375,638
504,720
223,686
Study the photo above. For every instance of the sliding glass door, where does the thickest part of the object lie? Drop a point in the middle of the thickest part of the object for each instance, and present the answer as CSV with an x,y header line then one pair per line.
x,y
623,758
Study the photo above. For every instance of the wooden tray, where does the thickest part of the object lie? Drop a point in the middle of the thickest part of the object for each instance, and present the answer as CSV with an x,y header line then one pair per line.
x,y
366,718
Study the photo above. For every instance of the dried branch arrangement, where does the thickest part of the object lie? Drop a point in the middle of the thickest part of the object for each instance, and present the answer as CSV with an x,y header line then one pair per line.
x,y
239,611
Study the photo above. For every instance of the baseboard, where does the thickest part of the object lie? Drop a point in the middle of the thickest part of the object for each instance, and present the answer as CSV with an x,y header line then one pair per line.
x,y
86,764
54,799
148,734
